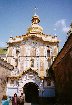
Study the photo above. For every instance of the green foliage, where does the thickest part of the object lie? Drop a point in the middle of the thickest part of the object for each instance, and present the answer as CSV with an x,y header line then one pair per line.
x,y
3,51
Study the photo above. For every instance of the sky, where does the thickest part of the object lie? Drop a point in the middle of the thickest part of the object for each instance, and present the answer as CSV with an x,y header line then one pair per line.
x,y
15,18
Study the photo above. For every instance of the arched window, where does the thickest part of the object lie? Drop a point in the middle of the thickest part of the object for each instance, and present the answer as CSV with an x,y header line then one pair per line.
x,y
32,62
16,61
17,51
48,53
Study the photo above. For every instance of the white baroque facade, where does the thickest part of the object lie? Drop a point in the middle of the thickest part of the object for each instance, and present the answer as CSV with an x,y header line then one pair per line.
x,y
31,55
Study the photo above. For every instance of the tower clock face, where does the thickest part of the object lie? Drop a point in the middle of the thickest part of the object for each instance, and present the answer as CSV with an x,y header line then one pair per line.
x,y
34,44
30,43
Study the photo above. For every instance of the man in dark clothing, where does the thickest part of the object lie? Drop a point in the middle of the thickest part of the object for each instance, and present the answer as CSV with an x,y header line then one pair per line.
x,y
22,99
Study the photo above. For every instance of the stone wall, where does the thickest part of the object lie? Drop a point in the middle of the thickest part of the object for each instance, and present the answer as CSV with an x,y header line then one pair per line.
x,y
5,70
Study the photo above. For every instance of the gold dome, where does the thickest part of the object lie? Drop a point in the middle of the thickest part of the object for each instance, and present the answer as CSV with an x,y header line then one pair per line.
x,y
35,27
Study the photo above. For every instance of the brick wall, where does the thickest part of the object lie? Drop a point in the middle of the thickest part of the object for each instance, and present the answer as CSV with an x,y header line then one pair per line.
x,y
63,78
62,68
3,78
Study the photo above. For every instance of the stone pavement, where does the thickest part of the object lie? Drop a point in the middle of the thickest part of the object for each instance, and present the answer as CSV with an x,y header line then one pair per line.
x,y
27,103
24,104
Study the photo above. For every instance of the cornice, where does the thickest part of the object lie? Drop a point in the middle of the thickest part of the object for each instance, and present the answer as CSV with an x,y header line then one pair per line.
x,y
39,37
23,73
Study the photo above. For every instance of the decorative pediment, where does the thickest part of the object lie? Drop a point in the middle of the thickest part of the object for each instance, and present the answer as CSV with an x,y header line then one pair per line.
x,y
33,37
29,71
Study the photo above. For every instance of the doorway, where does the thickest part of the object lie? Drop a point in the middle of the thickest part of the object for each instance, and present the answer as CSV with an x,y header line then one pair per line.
x,y
31,91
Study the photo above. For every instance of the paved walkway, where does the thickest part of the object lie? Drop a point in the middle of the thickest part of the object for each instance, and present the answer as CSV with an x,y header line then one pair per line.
x,y
24,104
32,104
27,104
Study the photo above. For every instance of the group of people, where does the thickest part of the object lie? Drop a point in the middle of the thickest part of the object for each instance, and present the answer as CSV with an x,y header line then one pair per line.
x,y
5,100
15,100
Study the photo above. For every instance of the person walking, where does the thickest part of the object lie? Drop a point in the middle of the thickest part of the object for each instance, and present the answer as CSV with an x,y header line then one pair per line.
x,y
15,100
5,101
22,99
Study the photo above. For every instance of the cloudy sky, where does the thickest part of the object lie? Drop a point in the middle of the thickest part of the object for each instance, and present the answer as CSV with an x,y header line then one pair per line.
x,y
15,17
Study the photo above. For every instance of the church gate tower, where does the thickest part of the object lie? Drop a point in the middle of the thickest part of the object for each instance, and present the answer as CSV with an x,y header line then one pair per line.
x,y
31,55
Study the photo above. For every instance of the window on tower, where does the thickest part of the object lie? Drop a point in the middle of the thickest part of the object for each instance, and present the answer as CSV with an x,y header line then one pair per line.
x,y
17,52
16,61
32,62
48,53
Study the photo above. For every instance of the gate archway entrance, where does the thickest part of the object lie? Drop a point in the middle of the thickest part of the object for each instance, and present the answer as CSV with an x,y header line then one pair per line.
x,y
31,91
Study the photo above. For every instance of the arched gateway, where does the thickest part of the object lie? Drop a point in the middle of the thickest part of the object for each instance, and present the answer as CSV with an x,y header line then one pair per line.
x,y
28,83
31,91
